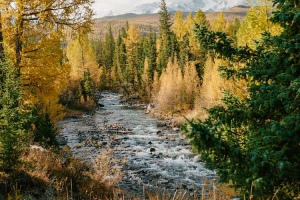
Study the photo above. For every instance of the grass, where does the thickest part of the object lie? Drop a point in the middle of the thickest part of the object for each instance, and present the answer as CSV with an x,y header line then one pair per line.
x,y
45,174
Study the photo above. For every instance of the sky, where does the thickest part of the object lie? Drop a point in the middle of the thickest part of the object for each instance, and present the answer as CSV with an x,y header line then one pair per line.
x,y
103,7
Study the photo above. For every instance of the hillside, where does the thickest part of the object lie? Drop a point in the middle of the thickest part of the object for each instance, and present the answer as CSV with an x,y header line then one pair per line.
x,y
144,21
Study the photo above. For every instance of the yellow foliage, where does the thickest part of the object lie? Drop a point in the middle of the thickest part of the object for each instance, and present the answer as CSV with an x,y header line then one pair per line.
x,y
213,85
81,57
220,23
179,27
257,22
170,95
146,81
191,85
32,32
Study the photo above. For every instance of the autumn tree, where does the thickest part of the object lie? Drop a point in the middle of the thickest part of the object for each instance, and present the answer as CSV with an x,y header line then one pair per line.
x,y
170,95
146,86
191,85
179,26
257,21
84,70
219,24
32,31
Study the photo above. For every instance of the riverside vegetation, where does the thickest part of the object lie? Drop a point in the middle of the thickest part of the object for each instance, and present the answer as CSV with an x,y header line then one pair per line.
x,y
240,79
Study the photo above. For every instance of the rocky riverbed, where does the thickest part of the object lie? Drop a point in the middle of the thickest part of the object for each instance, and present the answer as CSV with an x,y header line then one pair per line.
x,y
155,155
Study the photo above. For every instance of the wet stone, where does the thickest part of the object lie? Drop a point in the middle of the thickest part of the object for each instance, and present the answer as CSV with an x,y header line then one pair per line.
x,y
155,153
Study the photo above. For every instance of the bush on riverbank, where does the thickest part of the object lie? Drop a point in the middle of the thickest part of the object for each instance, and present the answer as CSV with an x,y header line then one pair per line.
x,y
47,175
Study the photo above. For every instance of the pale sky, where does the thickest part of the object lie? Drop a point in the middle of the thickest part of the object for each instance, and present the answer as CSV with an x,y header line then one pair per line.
x,y
103,7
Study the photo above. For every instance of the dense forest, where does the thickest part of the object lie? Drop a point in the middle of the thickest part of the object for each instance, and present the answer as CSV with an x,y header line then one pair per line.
x,y
233,86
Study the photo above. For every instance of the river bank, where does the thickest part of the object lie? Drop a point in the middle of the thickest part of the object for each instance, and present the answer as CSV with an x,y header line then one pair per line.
x,y
151,153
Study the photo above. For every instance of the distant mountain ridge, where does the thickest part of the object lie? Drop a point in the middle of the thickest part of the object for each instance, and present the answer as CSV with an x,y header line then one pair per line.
x,y
185,6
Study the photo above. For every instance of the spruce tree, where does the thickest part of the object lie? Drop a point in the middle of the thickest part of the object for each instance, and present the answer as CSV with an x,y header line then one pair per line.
x,y
152,53
167,39
255,141
14,119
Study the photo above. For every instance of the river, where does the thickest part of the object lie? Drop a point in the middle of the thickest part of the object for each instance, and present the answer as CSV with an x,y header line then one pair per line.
x,y
155,155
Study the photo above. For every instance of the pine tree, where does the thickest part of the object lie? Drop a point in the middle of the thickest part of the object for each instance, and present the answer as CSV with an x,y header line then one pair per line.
x,y
255,141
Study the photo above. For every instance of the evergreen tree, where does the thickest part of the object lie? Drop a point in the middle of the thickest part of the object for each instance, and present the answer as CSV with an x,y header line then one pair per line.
x,y
108,55
255,141
132,50
167,40
14,120
152,53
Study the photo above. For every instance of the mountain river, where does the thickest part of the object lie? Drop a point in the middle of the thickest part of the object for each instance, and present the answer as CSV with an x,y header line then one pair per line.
x,y
155,155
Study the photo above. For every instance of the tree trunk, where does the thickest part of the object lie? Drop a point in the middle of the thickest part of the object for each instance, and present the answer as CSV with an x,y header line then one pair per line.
x,y
19,48
1,52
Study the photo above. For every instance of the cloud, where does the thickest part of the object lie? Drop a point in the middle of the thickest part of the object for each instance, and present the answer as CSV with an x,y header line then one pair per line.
x,y
103,7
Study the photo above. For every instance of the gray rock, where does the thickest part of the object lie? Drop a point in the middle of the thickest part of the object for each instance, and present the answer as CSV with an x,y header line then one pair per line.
x,y
62,141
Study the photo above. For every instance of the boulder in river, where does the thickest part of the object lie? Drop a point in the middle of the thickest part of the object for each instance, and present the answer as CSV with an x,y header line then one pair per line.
x,y
100,105
152,149
161,124
62,141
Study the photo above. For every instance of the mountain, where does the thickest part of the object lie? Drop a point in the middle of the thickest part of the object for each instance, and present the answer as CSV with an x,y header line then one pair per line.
x,y
189,6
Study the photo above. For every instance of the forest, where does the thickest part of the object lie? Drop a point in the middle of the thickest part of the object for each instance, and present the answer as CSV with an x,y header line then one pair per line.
x,y
231,87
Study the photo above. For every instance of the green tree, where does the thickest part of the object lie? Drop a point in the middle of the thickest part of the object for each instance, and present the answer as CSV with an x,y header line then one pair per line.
x,y
108,55
152,53
14,119
167,40
255,141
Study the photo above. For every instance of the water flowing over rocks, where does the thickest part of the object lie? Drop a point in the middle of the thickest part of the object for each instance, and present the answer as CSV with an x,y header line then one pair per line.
x,y
156,155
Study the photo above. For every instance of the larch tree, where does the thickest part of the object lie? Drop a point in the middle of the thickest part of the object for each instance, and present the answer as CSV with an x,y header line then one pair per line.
x,y
179,26
32,32
191,85
146,86
170,95
220,23
257,21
